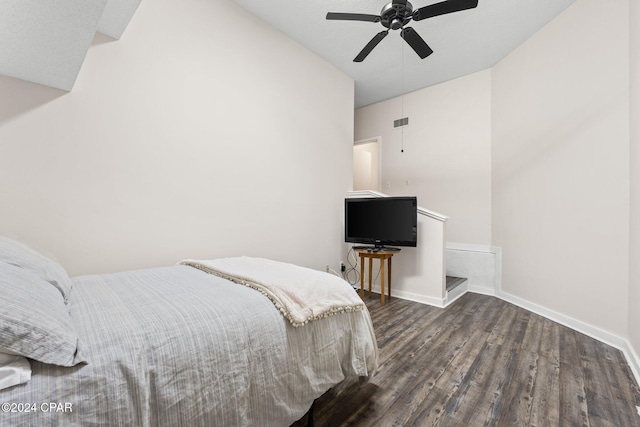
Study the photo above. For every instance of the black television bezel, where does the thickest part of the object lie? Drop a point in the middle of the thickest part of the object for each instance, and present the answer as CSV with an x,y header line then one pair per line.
x,y
380,243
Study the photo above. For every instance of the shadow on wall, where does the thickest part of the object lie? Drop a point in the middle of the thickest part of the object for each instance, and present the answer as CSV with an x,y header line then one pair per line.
x,y
20,97
100,38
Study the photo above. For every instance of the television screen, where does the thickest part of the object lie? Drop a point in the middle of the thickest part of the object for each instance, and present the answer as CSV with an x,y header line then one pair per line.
x,y
381,221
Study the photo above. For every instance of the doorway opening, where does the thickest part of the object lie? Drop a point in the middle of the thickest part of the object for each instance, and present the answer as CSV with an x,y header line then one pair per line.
x,y
366,165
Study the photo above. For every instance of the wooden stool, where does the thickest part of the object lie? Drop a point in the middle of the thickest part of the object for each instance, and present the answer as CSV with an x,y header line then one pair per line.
x,y
382,255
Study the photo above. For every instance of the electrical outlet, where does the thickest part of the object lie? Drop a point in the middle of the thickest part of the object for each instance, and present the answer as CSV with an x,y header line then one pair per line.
x,y
326,268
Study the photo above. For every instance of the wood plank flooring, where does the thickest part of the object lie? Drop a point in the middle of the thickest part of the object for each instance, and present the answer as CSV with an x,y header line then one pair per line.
x,y
483,362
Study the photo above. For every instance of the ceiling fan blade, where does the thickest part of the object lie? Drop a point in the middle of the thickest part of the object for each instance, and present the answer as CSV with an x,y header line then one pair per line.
x,y
353,17
416,42
443,8
369,47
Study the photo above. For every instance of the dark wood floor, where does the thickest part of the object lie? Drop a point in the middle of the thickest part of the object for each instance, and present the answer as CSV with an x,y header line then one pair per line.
x,y
483,362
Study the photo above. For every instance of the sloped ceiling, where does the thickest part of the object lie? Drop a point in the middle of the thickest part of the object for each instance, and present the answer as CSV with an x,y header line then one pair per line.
x,y
45,42
463,42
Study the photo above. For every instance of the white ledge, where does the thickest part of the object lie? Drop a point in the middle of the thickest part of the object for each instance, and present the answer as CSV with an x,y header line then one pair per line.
x,y
421,211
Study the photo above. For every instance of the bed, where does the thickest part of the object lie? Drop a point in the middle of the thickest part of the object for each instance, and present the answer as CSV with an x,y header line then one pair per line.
x,y
171,346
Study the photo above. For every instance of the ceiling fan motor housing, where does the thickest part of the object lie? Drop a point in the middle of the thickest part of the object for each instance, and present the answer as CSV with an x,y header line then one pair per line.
x,y
396,14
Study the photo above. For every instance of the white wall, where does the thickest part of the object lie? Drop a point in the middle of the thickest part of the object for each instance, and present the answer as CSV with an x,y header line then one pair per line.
x,y
447,151
560,123
564,204
634,250
192,136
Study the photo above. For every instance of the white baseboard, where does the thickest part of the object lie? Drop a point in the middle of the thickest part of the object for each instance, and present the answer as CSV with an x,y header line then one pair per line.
x,y
456,293
410,296
483,290
436,302
470,247
632,359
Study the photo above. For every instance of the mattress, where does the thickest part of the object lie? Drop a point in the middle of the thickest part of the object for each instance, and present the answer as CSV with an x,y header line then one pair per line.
x,y
175,346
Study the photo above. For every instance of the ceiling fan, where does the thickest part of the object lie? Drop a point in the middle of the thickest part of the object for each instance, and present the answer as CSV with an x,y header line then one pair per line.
x,y
396,15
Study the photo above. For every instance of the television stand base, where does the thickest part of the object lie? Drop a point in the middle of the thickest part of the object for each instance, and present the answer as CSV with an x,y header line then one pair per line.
x,y
371,253
376,249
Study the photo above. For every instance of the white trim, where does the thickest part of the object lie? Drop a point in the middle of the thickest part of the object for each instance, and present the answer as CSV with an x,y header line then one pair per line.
x,y
431,214
436,302
367,140
456,293
409,296
471,248
365,193
632,359
483,291
422,211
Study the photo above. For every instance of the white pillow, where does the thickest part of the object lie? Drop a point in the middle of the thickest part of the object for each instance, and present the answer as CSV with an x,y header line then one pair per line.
x,y
14,370
34,320
20,255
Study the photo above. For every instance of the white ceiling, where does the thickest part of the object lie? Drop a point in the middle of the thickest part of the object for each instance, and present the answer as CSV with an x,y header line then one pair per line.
x,y
46,42
463,42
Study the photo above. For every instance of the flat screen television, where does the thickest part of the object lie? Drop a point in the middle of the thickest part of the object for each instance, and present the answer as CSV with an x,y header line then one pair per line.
x,y
381,221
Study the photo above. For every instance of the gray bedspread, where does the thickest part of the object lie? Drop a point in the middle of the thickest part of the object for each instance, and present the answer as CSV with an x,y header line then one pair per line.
x,y
175,346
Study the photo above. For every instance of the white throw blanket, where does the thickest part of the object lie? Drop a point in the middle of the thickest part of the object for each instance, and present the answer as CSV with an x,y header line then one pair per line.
x,y
301,294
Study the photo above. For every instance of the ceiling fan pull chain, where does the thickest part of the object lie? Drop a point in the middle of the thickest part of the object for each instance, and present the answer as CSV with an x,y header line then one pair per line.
x,y
402,99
